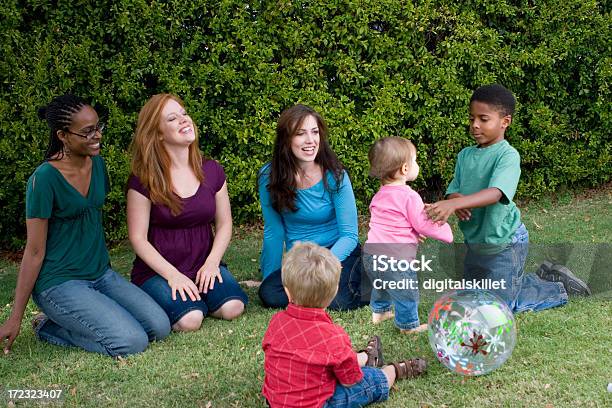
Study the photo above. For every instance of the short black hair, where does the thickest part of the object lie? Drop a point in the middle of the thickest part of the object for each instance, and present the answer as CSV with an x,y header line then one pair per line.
x,y
496,95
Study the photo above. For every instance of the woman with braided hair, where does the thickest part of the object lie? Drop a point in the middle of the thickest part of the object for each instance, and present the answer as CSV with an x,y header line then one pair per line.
x,y
65,265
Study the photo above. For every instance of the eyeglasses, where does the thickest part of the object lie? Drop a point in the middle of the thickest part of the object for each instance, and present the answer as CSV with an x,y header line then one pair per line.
x,y
91,134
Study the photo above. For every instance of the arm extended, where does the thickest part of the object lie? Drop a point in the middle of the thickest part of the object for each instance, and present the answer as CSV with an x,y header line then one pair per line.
x,y
441,210
32,260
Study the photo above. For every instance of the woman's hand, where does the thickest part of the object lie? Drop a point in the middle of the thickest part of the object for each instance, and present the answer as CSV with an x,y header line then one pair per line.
x,y
205,279
184,286
9,331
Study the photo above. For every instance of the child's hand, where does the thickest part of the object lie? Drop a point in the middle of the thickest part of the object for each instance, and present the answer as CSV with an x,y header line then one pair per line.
x,y
464,214
440,211
421,238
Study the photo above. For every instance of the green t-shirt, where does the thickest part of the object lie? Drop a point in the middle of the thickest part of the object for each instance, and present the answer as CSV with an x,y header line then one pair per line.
x,y
499,166
75,238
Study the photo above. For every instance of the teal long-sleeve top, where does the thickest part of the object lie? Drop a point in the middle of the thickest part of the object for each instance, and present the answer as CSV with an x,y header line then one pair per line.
x,y
325,217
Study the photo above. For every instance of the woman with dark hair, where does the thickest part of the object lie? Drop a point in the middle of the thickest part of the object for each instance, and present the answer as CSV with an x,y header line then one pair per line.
x,y
306,195
65,265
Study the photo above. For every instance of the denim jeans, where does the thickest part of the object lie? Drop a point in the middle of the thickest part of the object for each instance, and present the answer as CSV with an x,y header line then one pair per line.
x,y
522,291
372,388
272,294
158,288
108,315
405,300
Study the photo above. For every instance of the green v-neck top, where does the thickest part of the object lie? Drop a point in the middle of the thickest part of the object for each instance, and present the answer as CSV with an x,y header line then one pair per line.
x,y
75,239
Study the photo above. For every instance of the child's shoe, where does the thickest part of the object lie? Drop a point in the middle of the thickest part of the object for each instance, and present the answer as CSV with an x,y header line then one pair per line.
x,y
374,352
409,368
559,273
419,329
381,317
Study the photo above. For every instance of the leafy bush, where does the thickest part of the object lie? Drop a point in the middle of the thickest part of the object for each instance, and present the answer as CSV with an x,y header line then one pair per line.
x,y
372,68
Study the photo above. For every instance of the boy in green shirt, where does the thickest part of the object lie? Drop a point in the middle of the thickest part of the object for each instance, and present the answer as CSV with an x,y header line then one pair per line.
x,y
481,193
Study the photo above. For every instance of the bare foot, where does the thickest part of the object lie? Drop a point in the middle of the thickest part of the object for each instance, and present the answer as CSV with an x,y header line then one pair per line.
x,y
381,317
419,329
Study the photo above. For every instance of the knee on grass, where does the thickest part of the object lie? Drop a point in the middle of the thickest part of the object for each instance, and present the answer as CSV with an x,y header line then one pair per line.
x,y
132,342
160,329
230,310
192,321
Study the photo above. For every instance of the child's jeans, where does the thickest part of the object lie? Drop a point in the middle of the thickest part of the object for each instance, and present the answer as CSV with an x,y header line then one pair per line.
x,y
404,296
522,292
372,388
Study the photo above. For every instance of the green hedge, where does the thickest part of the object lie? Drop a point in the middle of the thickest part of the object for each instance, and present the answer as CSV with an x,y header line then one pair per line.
x,y
373,68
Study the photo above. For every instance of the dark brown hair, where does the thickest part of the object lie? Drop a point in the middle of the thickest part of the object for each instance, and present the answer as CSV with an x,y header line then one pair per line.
x,y
282,184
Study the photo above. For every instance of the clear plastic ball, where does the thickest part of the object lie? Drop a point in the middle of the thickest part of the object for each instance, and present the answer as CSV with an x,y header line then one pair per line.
x,y
472,332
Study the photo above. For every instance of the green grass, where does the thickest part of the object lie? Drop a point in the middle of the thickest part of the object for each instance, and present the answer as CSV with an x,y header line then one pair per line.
x,y
563,356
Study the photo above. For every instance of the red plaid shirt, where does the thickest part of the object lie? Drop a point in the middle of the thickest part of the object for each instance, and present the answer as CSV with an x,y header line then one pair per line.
x,y
306,354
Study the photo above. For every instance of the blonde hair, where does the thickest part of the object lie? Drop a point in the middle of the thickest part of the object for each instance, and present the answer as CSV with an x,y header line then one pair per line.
x,y
311,273
388,155
150,160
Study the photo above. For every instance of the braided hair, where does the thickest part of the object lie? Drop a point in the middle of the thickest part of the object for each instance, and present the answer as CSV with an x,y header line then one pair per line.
x,y
58,115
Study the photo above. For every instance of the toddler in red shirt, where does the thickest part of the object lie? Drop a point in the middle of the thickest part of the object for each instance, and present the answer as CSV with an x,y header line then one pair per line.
x,y
309,360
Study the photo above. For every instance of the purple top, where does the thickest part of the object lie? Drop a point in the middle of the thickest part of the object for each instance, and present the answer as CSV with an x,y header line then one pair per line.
x,y
185,240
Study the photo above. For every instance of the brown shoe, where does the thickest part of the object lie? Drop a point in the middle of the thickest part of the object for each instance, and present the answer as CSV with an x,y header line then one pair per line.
x,y
374,352
409,368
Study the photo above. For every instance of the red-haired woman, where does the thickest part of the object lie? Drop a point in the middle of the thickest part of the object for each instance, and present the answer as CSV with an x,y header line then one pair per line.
x,y
174,198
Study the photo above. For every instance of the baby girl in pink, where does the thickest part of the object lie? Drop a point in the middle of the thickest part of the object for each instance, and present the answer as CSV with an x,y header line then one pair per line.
x,y
398,222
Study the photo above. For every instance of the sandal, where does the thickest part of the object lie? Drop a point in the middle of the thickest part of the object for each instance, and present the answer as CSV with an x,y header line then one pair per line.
x,y
409,368
374,352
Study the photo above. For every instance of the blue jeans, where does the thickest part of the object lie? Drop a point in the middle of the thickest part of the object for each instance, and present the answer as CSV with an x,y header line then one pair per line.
x,y
158,288
108,315
405,300
272,293
522,291
372,388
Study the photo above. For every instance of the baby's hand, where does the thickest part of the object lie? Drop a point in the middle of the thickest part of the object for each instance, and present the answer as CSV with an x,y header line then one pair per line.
x,y
440,211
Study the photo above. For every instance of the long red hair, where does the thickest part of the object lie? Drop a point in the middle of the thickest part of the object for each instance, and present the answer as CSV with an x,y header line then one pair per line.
x,y
150,160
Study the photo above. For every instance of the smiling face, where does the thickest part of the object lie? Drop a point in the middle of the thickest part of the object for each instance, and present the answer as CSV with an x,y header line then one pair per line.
x,y
305,141
83,122
176,126
487,124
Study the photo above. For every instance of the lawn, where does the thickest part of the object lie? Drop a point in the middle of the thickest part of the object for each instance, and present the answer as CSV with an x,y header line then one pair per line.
x,y
563,356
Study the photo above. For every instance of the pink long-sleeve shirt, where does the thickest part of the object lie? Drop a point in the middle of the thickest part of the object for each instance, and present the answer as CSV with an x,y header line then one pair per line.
x,y
398,217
